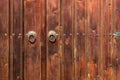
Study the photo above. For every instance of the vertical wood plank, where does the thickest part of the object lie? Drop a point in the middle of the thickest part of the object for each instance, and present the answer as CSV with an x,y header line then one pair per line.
x,y
53,54
11,41
68,28
4,39
93,55
80,19
43,41
32,54
16,39
113,53
117,40
107,43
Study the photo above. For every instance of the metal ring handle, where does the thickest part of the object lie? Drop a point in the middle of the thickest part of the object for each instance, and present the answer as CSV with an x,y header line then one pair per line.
x,y
117,34
32,36
52,36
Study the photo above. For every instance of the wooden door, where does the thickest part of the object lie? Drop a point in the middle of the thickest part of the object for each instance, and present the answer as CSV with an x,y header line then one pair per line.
x,y
86,45
4,39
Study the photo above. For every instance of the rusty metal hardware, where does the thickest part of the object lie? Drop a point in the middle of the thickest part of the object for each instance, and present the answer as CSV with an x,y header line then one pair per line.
x,y
117,34
32,36
52,36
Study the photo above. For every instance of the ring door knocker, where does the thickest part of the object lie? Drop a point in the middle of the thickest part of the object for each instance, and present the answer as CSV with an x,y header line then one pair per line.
x,y
117,34
52,36
32,35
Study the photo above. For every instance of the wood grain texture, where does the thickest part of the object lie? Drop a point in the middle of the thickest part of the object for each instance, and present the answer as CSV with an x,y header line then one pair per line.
x,y
93,44
85,48
43,41
80,19
4,45
68,47
53,55
107,45
16,39
116,41
32,51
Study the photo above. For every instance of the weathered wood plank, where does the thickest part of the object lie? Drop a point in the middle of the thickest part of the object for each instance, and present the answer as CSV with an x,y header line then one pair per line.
x,y
93,44
11,41
68,28
117,40
107,43
53,54
4,39
32,52
80,19
16,39
113,53
43,41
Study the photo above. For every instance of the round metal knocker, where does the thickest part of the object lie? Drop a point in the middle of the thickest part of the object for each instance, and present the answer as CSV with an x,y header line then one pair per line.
x,y
32,36
52,36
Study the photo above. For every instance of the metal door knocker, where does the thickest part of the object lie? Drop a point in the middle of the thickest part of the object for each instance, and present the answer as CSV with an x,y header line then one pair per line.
x,y
32,36
117,34
52,36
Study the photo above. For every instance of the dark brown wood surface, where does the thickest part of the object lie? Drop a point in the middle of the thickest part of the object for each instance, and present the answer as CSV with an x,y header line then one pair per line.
x,y
32,51
43,40
79,42
85,48
53,54
16,39
93,42
4,40
68,39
